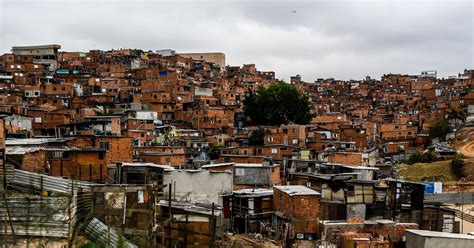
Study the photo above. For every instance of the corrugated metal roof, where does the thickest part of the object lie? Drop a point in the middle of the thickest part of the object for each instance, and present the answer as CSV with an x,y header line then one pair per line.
x,y
194,207
79,149
32,141
18,150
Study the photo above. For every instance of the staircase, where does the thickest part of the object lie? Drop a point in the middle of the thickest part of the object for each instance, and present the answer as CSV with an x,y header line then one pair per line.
x,y
466,217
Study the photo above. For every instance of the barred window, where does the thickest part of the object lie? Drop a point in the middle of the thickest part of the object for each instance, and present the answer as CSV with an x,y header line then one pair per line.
x,y
57,155
104,145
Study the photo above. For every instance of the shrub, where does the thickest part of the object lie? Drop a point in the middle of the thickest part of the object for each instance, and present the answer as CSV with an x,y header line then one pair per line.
x,y
457,166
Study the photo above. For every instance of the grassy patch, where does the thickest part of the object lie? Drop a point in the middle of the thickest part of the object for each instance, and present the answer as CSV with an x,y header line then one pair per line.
x,y
438,171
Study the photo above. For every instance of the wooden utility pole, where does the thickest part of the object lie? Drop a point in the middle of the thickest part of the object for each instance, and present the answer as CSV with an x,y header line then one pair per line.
x,y
5,239
213,227
170,214
186,231
462,209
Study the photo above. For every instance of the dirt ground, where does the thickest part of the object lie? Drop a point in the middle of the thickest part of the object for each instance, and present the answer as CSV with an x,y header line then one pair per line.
x,y
42,242
464,143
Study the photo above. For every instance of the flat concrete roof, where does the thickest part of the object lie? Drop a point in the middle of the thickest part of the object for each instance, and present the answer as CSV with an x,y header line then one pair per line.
x,y
294,190
216,165
253,192
434,234
37,47
164,167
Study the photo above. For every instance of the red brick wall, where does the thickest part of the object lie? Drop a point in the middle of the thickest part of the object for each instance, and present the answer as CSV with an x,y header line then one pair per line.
x,y
346,158
303,210
81,166
174,159
34,162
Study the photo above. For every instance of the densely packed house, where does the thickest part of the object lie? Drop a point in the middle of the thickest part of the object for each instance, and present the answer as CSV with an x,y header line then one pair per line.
x,y
156,145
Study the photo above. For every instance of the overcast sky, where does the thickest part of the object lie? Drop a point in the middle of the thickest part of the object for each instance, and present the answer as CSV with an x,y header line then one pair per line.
x,y
316,39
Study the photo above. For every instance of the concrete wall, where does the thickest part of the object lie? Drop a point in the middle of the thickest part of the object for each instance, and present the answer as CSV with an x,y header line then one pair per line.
x,y
470,109
36,50
418,241
199,185
252,175
146,115
203,91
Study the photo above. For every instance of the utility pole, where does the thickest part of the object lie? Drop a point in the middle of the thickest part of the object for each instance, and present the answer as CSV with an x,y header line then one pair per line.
x,y
462,209
170,214
213,227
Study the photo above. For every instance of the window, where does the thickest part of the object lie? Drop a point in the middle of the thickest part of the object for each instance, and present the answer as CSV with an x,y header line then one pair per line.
x,y
104,145
295,141
350,190
274,150
57,155
239,171
135,177
168,159
101,155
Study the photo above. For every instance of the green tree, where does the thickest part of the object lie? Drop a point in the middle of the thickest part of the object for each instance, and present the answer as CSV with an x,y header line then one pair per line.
x,y
426,157
440,128
280,104
414,158
457,116
457,166
214,152
257,137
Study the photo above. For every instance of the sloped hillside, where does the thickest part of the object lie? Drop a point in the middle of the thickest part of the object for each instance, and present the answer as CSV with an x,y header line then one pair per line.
x,y
464,143
437,171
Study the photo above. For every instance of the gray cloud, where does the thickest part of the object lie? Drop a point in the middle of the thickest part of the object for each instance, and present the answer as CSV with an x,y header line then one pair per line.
x,y
322,39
